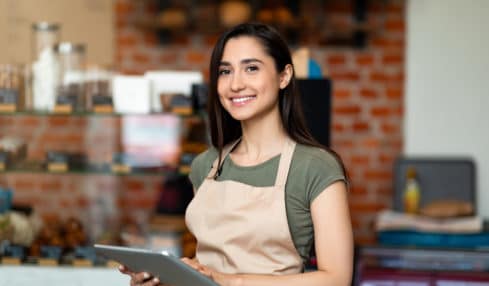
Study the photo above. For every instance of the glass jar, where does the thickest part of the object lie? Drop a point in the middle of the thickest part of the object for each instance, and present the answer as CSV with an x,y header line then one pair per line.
x,y
98,89
44,67
70,91
45,36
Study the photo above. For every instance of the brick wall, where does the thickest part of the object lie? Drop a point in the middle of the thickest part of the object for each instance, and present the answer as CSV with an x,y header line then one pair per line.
x,y
366,130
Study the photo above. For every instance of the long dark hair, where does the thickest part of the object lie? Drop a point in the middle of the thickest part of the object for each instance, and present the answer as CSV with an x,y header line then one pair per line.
x,y
224,128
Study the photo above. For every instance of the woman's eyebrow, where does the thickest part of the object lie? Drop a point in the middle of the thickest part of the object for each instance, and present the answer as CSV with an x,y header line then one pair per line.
x,y
244,61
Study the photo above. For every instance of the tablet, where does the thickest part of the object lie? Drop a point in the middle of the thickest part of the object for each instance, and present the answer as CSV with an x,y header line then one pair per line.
x,y
169,269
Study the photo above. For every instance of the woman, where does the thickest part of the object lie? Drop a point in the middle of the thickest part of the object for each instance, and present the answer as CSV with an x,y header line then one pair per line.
x,y
266,190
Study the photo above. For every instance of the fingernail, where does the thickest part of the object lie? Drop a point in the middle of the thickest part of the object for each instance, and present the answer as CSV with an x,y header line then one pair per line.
x,y
145,275
156,280
121,267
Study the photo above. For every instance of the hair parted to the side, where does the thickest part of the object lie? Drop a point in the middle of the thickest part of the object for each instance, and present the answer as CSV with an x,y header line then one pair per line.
x,y
224,128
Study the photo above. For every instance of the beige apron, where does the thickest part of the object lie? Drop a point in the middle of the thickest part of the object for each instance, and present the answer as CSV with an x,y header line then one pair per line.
x,y
242,228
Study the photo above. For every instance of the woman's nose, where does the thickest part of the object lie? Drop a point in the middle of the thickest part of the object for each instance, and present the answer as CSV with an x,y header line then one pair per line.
x,y
237,82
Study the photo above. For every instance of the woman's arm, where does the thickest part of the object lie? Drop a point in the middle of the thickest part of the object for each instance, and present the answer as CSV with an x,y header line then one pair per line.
x,y
334,247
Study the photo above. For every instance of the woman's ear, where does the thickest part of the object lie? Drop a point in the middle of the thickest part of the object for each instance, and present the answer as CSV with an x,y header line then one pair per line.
x,y
286,76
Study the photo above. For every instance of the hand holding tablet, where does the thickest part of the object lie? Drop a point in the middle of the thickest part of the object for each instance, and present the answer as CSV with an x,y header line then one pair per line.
x,y
167,268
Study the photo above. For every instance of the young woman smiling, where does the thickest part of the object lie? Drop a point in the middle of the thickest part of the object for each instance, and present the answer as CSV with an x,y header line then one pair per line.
x,y
265,190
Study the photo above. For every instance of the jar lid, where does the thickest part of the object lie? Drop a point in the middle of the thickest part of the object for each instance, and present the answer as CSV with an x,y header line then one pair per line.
x,y
45,26
68,47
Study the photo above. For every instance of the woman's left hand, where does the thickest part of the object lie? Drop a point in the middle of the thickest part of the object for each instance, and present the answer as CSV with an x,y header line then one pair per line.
x,y
218,277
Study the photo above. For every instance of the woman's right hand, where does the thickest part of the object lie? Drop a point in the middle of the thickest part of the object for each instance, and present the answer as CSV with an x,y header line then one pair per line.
x,y
140,278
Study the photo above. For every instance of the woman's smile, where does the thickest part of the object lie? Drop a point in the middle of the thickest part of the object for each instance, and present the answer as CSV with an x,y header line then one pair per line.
x,y
242,100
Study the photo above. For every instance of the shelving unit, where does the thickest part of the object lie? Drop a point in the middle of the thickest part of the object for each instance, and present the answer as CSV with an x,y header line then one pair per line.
x,y
301,22
96,194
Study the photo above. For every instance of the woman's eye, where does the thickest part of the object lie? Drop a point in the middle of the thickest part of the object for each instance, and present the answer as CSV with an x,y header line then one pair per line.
x,y
224,72
251,68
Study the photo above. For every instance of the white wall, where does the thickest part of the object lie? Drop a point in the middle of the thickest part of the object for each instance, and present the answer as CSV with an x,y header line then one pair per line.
x,y
447,83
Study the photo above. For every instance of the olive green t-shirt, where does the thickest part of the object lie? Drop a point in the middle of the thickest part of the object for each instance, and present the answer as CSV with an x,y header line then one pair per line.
x,y
312,170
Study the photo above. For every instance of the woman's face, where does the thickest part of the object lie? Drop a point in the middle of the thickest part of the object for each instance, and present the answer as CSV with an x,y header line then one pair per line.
x,y
248,82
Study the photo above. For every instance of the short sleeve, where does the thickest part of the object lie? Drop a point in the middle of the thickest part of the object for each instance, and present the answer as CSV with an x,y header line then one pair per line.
x,y
201,166
323,170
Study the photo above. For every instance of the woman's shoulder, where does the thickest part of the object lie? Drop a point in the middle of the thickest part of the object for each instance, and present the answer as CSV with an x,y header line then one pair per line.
x,y
205,158
315,157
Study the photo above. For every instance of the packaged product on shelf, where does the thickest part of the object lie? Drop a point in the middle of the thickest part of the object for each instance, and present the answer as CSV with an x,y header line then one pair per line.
x,y
13,149
11,88
98,89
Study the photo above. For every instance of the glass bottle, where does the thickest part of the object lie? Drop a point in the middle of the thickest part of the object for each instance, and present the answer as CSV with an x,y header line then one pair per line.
x,y
411,192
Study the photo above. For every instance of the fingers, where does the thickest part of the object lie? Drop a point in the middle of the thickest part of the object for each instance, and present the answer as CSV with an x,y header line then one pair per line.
x,y
197,266
139,278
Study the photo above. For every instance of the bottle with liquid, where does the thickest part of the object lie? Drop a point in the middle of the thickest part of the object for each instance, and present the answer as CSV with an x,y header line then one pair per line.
x,y
412,193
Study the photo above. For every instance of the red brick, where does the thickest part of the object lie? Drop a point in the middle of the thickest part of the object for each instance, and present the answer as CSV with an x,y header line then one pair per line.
x,y
58,121
183,40
370,143
361,126
194,57
378,76
388,44
345,75
360,160
364,59
393,93
340,143
347,110
126,41
124,8
168,58
386,158
134,185
341,93
364,206
368,93
32,122
395,8
365,239
6,121
51,186
210,40
392,59
21,185
381,111
140,58
338,127
389,128
385,191
335,59
377,175
395,26
150,39
82,202
141,203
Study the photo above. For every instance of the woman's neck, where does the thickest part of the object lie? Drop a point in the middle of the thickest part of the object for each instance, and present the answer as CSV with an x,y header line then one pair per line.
x,y
261,140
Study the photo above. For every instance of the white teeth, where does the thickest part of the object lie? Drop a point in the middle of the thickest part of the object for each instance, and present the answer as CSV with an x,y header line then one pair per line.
x,y
242,99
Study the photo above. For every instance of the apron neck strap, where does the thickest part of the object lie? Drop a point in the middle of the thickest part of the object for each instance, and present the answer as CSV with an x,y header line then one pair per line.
x,y
225,152
284,164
